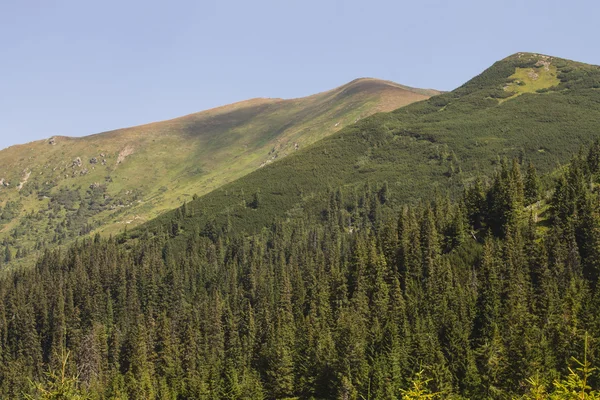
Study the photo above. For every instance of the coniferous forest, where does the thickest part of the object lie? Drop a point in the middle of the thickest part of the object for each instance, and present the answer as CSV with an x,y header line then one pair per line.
x,y
492,294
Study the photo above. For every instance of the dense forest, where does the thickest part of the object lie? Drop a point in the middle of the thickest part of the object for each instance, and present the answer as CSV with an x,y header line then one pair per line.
x,y
491,295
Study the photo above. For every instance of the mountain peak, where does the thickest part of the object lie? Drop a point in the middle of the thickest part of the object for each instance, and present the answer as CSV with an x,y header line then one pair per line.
x,y
375,84
526,55
525,72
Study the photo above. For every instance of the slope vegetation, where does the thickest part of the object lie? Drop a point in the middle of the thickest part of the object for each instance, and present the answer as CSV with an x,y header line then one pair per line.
x,y
439,144
54,190
464,299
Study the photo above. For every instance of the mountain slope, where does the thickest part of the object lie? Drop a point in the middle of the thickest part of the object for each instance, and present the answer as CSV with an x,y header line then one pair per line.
x,y
356,294
471,296
56,189
534,107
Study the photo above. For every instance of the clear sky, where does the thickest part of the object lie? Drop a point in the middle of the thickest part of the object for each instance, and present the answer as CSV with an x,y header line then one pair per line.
x,y
73,67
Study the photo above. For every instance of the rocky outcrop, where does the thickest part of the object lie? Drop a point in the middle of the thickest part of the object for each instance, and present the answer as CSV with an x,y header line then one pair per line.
x,y
93,160
126,152
77,162
26,175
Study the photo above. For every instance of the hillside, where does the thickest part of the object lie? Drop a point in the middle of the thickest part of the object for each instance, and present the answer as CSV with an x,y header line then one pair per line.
x,y
444,300
344,271
534,107
54,190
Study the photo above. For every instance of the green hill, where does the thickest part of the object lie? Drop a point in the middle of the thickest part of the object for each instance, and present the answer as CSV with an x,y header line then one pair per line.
x,y
530,106
443,300
346,290
55,190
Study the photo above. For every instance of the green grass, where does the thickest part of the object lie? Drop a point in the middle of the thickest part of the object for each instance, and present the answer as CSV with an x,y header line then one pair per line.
x,y
531,80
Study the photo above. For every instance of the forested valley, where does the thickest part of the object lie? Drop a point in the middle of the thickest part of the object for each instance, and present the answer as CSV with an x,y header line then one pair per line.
x,y
490,295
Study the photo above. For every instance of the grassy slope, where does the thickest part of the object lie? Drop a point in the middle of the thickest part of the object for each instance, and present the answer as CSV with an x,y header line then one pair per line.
x,y
155,167
443,142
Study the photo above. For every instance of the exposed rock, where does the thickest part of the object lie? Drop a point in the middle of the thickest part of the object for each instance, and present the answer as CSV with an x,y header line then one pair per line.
x,y
52,141
93,160
544,62
296,146
104,161
94,185
83,172
77,162
26,175
532,75
102,155
127,151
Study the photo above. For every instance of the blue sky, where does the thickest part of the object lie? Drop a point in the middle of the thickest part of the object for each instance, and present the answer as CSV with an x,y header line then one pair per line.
x,y
77,67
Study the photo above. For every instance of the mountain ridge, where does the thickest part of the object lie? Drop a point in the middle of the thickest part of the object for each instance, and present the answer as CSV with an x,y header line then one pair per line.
x,y
248,103
105,181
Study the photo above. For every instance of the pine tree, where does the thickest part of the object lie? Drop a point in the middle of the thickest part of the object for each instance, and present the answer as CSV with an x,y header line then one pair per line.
x,y
280,358
593,158
532,185
59,385
7,254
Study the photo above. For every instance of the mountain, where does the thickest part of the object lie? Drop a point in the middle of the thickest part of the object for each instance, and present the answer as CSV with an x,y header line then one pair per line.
x,y
54,190
479,298
529,106
410,255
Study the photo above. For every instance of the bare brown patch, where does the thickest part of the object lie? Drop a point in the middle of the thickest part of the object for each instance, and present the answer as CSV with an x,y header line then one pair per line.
x,y
533,75
126,152
26,175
